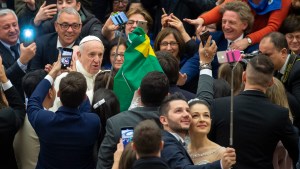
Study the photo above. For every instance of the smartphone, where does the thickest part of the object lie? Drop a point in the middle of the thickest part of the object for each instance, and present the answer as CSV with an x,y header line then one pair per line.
x,y
127,135
229,56
66,57
204,36
49,2
28,36
143,25
119,18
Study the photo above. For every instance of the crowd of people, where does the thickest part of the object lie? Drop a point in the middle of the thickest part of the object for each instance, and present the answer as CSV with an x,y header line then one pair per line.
x,y
200,110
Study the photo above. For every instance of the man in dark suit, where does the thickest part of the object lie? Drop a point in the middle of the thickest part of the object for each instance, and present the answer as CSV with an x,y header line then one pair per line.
x,y
147,142
15,56
287,69
154,87
68,28
69,132
176,119
12,113
258,124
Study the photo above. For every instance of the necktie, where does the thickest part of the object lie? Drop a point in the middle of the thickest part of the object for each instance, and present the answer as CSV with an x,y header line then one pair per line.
x,y
15,49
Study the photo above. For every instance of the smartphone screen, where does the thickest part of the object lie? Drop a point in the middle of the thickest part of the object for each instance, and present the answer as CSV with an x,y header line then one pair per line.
x,y
127,134
66,57
204,36
143,25
49,2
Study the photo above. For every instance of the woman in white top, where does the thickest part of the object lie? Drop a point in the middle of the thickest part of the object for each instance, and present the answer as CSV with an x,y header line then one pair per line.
x,y
201,149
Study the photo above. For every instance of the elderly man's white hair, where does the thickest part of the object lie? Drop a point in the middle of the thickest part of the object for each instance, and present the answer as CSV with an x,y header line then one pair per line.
x,y
4,12
87,39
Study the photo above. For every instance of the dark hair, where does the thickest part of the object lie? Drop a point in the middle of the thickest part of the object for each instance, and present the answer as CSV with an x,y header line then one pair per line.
x,y
109,108
164,107
102,78
72,89
260,70
127,158
169,64
113,43
147,138
31,80
197,101
154,88
168,31
221,88
290,24
278,39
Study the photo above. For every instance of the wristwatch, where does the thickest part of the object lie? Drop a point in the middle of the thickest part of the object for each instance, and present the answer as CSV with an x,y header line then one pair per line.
x,y
249,40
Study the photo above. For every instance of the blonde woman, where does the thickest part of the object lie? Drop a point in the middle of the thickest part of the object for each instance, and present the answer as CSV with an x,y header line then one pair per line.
x,y
276,93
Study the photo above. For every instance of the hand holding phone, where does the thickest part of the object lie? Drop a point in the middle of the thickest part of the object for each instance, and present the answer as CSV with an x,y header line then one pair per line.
x,y
204,37
127,135
66,57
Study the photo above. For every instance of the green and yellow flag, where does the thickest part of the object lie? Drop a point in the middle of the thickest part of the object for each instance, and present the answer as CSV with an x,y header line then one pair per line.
x,y
139,59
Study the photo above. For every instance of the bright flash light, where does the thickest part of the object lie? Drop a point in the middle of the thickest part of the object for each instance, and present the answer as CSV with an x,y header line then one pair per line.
x,y
28,33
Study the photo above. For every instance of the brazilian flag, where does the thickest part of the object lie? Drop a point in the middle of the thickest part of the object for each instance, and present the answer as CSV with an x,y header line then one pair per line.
x,y
139,59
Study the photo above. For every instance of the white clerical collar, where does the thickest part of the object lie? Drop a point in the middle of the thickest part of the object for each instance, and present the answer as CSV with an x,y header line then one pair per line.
x,y
282,70
59,45
230,41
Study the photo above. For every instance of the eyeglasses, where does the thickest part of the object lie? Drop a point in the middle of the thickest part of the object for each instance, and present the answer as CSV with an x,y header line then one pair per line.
x,y
117,2
65,26
290,36
131,22
173,44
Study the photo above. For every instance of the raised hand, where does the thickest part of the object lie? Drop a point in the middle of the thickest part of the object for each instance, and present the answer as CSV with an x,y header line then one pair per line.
x,y
3,78
27,53
198,23
229,158
208,51
44,13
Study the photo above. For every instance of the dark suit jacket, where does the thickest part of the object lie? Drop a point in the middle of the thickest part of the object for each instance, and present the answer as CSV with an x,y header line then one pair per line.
x,y
113,132
258,125
13,71
46,52
11,119
292,87
150,163
67,137
178,158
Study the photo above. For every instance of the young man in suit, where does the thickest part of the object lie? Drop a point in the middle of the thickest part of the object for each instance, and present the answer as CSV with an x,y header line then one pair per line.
x,y
287,69
68,28
69,132
176,119
147,142
154,87
257,123
15,56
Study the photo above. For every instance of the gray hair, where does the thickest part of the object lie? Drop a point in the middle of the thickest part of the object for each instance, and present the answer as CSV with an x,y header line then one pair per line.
x,y
69,10
4,12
